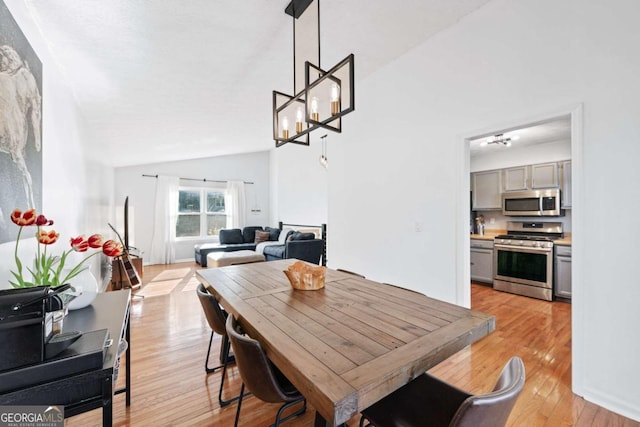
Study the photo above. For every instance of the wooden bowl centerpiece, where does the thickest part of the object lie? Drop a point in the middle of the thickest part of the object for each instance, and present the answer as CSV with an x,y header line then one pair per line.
x,y
305,277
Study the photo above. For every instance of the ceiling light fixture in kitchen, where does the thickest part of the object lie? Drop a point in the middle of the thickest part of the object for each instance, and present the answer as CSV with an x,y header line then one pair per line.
x,y
499,139
323,97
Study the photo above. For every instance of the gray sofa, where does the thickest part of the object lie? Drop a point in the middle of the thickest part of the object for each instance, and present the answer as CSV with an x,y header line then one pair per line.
x,y
232,240
302,246
281,244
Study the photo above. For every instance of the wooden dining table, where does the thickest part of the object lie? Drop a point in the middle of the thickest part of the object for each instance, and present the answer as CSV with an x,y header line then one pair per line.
x,y
349,344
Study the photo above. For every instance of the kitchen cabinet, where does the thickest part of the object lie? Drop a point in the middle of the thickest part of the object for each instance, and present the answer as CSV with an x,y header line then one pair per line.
x,y
563,271
487,189
565,184
516,179
482,260
544,176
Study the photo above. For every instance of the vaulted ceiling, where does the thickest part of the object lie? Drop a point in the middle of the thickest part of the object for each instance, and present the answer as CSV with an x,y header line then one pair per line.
x,y
166,80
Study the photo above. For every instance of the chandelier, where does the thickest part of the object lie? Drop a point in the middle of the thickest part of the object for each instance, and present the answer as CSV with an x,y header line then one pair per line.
x,y
323,96
500,139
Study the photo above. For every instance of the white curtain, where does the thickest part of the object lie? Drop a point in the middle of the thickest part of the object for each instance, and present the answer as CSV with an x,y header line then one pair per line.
x,y
164,221
235,204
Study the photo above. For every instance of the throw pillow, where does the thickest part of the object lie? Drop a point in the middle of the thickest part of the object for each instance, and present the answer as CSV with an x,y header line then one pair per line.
x,y
230,236
262,236
274,233
248,233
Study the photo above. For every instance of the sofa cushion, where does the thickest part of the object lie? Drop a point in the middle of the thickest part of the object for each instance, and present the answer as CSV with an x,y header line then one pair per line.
x,y
276,251
230,236
274,233
262,236
302,236
240,247
260,246
249,234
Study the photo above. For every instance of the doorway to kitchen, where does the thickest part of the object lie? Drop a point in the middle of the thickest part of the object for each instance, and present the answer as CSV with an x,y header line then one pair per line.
x,y
520,182
524,156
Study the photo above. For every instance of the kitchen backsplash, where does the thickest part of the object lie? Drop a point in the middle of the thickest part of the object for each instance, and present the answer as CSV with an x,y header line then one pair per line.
x,y
500,221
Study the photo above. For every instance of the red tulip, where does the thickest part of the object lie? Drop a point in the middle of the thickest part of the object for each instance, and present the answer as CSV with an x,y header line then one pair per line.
x,y
47,237
22,219
95,241
42,220
79,244
112,248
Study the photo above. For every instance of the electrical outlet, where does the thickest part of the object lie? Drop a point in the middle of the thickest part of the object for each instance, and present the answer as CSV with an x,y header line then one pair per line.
x,y
418,226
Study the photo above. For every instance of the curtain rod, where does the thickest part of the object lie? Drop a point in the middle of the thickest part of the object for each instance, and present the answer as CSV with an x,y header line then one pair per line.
x,y
194,179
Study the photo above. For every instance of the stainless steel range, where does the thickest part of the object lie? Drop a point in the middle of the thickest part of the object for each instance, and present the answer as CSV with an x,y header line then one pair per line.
x,y
523,258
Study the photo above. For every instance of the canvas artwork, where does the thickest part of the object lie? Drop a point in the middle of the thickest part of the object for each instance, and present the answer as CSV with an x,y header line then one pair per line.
x,y
20,124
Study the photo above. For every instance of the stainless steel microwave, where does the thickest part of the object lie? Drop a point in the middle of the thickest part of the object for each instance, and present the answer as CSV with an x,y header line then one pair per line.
x,y
532,203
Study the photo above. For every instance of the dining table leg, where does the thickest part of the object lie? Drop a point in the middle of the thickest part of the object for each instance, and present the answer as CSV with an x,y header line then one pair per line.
x,y
321,422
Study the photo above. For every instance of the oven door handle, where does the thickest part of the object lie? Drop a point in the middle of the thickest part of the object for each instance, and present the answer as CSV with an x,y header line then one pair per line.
x,y
527,249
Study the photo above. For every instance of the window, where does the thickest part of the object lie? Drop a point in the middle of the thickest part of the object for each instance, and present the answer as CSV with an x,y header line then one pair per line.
x,y
201,212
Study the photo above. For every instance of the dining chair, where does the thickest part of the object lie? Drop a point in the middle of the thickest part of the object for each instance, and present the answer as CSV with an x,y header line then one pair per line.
x,y
350,272
216,317
263,379
428,398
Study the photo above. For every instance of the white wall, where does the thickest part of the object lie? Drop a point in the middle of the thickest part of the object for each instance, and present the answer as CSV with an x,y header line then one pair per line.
x,y
76,190
399,163
252,167
301,182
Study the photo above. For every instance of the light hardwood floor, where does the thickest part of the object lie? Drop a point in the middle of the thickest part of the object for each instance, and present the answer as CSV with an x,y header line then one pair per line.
x,y
170,387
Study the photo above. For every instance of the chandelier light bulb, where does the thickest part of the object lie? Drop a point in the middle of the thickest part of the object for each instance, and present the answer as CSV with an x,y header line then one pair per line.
x,y
335,99
299,120
285,127
314,109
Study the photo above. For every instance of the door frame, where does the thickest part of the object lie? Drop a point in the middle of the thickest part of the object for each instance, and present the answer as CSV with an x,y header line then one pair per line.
x,y
463,241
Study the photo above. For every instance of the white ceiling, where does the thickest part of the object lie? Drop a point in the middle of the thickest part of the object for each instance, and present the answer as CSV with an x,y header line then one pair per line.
x,y
541,133
167,80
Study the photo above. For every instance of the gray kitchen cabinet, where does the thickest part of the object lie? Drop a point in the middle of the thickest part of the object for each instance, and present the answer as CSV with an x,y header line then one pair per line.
x,y
544,175
482,260
487,189
563,271
516,179
565,184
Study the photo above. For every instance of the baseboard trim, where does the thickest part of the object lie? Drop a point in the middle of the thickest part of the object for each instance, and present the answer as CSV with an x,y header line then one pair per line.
x,y
624,408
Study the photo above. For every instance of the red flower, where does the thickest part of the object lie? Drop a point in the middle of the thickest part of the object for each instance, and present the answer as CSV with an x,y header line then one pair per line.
x,y
112,248
95,241
42,220
47,237
79,244
22,219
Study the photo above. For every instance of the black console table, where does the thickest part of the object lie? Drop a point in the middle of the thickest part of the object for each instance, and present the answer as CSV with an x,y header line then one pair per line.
x,y
90,390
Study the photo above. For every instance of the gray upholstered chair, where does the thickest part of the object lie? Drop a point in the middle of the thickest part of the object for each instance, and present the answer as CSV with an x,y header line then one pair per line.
x,y
427,401
216,318
263,379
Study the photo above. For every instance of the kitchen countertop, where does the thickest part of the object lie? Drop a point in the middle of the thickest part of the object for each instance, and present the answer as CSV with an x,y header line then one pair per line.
x,y
565,241
491,234
488,234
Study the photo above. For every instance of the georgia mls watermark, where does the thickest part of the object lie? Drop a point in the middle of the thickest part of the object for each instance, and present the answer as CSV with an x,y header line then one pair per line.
x,y
32,416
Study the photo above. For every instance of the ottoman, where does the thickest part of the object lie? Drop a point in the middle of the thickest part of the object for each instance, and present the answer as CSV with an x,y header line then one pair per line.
x,y
220,259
